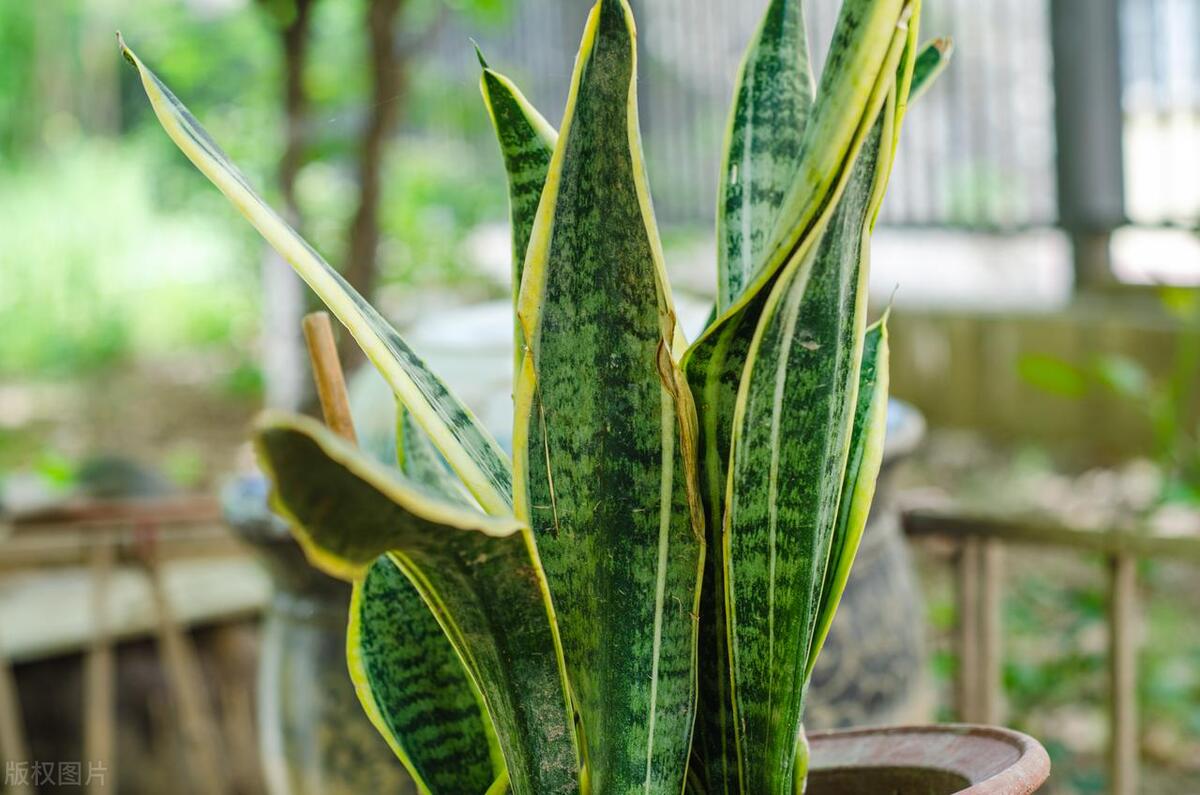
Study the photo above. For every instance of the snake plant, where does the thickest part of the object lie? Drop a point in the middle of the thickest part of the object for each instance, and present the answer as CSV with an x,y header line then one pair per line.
x,y
635,601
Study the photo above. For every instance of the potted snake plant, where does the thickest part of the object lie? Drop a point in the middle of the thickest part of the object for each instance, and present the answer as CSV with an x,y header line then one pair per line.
x,y
634,601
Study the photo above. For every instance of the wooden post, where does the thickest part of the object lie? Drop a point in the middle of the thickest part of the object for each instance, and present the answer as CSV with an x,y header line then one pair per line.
x,y
185,680
980,654
327,372
1123,650
991,624
99,699
967,684
13,746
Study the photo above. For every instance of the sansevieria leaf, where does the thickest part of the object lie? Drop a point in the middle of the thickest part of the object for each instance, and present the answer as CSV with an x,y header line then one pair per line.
x,y
792,429
772,97
414,688
468,447
604,432
408,677
526,143
931,62
478,575
714,366
858,484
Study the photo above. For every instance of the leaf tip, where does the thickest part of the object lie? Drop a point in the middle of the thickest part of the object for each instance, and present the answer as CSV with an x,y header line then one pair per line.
x,y
124,48
479,54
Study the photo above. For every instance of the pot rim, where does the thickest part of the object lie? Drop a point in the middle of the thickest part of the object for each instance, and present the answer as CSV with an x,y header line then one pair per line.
x,y
994,760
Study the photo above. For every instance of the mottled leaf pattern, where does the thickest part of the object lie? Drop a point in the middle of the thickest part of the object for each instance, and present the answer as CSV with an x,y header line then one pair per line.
x,y
858,483
408,677
604,433
468,447
478,575
414,687
790,439
714,367
772,96
526,144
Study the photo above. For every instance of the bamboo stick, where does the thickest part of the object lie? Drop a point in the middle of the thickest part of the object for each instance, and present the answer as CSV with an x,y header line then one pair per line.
x,y
327,373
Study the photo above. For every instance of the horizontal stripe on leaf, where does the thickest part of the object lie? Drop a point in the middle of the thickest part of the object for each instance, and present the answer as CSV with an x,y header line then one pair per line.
x,y
467,445
772,96
414,688
409,679
602,465
477,574
858,484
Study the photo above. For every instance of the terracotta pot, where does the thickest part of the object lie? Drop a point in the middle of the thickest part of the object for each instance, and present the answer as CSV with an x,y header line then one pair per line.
x,y
926,760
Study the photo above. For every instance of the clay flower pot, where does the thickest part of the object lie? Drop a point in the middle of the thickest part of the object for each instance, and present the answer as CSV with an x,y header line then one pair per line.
x,y
926,760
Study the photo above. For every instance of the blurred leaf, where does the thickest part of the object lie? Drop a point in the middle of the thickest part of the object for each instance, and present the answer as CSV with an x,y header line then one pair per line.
x,y
1123,376
1182,303
1053,375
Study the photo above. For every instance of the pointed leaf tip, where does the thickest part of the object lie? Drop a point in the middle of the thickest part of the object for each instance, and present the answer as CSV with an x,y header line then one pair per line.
x,y
479,54
124,48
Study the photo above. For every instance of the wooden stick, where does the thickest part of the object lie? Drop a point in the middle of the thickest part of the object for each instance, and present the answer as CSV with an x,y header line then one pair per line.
x,y
327,373
990,678
185,681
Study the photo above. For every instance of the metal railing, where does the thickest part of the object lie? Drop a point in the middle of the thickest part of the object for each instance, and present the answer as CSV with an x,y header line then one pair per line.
x,y
980,154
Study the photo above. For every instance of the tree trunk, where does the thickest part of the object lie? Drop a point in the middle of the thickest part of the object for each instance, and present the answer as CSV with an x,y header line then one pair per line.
x,y
388,84
284,362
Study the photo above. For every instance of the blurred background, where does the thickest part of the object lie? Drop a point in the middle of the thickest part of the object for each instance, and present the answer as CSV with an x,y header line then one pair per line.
x,y
1035,556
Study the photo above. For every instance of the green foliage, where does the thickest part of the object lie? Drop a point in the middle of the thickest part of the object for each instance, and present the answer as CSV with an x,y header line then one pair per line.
x,y
159,281
1167,403
674,531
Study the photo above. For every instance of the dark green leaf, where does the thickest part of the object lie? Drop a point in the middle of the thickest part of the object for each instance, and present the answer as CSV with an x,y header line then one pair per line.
x,y
772,96
604,433
414,688
526,144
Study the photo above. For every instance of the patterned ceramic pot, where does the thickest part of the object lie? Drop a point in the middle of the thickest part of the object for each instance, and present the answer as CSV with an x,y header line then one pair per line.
x,y
872,671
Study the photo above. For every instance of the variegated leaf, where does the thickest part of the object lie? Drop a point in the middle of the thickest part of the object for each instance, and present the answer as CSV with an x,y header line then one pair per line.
x,y
526,143
791,434
931,62
468,447
858,484
772,97
714,366
414,688
478,575
604,437
408,677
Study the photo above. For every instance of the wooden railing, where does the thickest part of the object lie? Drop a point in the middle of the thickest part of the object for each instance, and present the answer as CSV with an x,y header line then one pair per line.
x,y
100,536
980,543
